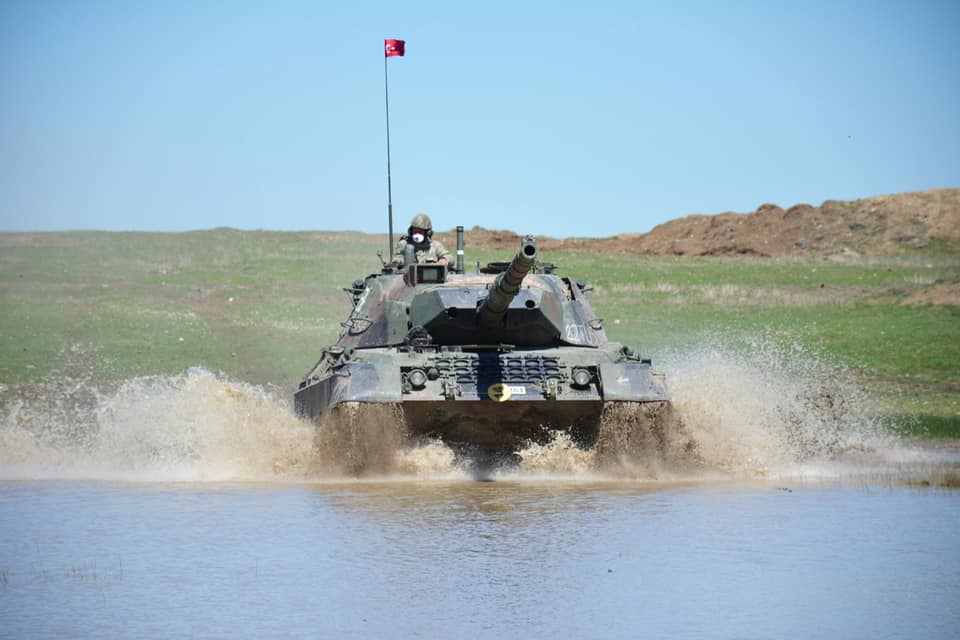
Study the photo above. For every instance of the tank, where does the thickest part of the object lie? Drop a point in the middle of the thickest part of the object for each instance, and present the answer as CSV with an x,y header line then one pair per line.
x,y
487,361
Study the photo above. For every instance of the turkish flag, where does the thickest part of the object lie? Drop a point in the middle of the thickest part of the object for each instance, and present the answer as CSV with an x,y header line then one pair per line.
x,y
393,48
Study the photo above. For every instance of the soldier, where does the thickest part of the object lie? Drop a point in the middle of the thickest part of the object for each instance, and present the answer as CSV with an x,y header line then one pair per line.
x,y
420,234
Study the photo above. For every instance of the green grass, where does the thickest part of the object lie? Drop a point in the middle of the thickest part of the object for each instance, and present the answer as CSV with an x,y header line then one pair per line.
x,y
255,305
260,306
929,426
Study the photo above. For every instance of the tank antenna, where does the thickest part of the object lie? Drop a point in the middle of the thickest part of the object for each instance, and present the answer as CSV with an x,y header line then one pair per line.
x,y
391,47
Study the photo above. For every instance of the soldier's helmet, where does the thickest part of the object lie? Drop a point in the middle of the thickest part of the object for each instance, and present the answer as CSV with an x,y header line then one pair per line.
x,y
421,221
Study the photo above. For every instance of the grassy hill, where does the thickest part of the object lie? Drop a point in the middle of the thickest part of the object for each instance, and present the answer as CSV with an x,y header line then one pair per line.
x,y
259,306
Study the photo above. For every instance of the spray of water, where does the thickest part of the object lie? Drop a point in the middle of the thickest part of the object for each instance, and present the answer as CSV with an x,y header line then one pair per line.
x,y
196,426
766,411
763,410
771,409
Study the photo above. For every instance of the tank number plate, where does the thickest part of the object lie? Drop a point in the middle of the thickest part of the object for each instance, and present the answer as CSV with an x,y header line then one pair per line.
x,y
501,392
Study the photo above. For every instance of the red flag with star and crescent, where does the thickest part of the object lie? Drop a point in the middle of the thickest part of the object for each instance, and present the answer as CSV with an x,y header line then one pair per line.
x,y
393,47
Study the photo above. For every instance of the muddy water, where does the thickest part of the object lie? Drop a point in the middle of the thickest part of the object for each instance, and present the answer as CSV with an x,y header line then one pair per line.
x,y
197,506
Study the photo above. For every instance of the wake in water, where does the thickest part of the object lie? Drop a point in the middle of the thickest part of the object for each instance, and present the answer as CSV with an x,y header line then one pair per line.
x,y
771,413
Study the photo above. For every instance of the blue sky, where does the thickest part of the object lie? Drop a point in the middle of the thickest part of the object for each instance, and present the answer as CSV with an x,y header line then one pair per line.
x,y
560,119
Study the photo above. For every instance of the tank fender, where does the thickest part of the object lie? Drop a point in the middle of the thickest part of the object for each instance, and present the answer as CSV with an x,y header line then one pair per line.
x,y
365,382
631,381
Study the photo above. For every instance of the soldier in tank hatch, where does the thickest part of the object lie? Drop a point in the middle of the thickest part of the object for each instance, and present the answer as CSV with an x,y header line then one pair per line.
x,y
420,235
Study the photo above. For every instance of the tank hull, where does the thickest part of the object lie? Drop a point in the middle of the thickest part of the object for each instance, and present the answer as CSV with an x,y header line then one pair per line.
x,y
487,399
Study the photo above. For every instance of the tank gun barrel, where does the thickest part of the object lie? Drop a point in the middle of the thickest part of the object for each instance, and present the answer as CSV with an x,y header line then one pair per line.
x,y
507,285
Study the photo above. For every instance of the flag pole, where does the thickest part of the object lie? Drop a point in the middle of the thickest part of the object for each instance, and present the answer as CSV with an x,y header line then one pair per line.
x,y
386,93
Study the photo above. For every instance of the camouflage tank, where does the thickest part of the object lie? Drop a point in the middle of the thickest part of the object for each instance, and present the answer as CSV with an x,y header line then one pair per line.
x,y
493,360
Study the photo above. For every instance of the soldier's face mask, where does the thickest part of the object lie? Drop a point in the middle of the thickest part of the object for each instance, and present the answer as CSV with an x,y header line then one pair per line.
x,y
417,236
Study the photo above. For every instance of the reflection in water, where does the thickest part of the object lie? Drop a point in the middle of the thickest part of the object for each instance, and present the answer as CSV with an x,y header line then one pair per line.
x,y
513,505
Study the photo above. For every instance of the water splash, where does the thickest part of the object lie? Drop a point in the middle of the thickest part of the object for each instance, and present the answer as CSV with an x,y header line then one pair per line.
x,y
764,412
559,456
196,426
769,408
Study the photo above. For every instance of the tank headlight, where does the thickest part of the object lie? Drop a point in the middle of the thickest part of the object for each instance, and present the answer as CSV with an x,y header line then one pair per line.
x,y
581,377
417,378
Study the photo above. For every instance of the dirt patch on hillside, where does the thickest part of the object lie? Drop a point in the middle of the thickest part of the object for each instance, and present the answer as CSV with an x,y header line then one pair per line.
x,y
938,295
870,226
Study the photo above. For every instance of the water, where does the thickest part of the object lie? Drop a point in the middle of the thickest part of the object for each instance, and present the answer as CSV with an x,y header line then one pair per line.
x,y
468,559
196,506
